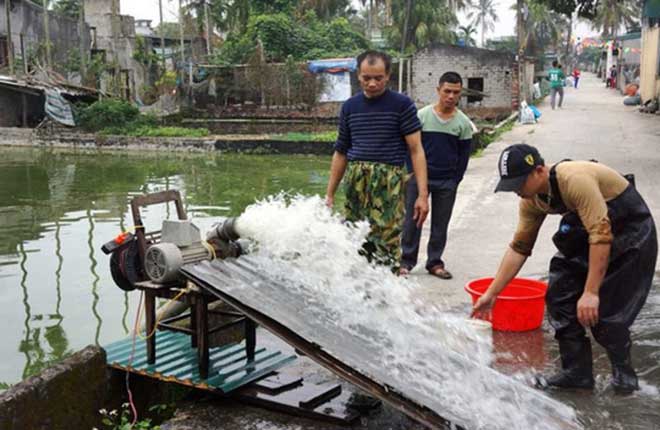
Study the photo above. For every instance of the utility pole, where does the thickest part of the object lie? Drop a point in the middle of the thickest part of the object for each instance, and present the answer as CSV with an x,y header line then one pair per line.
x,y
116,24
568,38
404,34
370,20
209,49
10,44
83,49
47,33
162,35
520,27
181,32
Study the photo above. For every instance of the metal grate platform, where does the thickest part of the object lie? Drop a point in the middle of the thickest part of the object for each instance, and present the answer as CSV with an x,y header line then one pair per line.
x,y
177,362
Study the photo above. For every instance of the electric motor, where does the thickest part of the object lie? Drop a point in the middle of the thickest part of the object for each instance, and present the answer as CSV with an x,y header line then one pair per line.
x,y
163,261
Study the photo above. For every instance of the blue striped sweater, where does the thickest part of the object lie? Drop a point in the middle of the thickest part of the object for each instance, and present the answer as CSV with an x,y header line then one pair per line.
x,y
373,129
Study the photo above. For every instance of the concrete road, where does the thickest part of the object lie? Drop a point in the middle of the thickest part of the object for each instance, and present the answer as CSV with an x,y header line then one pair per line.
x,y
593,124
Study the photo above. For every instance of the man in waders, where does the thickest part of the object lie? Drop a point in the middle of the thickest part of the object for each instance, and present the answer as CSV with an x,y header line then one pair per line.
x,y
602,274
378,128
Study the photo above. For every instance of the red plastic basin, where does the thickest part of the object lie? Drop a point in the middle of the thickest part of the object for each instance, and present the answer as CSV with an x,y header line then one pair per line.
x,y
519,307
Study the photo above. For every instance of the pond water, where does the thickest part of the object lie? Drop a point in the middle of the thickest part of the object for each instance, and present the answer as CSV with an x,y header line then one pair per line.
x,y
58,207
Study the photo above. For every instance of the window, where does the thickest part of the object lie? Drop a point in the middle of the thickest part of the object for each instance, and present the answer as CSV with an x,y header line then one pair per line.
x,y
478,85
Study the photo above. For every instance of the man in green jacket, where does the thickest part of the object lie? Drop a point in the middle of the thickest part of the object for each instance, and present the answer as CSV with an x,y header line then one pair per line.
x,y
556,77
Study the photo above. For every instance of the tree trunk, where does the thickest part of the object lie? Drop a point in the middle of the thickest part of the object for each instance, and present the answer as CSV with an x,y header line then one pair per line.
x,y
46,32
404,30
207,22
483,31
10,45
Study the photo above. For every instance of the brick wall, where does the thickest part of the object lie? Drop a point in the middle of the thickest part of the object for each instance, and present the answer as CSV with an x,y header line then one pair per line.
x,y
498,70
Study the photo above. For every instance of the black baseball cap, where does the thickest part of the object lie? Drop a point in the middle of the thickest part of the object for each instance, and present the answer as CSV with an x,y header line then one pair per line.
x,y
516,162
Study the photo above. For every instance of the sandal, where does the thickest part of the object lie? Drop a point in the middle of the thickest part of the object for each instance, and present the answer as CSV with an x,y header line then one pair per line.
x,y
440,272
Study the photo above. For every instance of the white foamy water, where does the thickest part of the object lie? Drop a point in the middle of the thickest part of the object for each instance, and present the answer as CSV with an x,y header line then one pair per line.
x,y
433,357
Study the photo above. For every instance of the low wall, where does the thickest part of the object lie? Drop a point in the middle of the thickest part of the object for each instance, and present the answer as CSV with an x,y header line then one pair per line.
x,y
67,139
70,394
259,126
65,396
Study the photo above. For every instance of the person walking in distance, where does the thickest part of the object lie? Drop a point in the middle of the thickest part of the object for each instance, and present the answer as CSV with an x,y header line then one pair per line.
x,y
556,78
576,77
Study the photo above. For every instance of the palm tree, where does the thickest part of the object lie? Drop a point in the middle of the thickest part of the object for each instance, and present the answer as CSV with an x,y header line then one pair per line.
x,y
428,22
612,14
543,27
370,13
465,32
325,9
484,16
230,15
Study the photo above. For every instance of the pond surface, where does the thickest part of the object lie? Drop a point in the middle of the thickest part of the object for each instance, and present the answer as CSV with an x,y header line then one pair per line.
x,y
58,208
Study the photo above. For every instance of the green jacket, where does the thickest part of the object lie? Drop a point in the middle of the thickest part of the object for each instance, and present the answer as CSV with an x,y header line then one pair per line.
x,y
556,77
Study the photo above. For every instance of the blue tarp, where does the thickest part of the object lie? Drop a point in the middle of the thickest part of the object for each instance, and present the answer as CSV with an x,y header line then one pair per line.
x,y
58,109
333,66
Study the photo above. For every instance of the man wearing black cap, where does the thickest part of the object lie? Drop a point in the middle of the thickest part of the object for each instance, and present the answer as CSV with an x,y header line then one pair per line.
x,y
603,272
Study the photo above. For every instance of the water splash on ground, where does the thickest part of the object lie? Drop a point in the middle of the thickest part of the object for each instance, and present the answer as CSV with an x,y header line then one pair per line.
x,y
432,355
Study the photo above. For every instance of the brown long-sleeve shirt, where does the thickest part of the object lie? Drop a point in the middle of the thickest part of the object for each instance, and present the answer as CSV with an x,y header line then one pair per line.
x,y
585,188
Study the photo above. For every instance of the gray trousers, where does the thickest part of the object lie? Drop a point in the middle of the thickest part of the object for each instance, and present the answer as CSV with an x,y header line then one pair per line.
x,y
443,196
553,95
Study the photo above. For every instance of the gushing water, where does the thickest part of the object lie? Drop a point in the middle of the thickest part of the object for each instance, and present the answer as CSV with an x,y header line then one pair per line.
x,y
435,358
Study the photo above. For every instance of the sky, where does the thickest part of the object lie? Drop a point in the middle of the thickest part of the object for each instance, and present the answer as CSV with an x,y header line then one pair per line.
x,y
148,9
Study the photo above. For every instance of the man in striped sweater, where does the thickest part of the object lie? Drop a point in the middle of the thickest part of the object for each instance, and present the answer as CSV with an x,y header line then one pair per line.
x,y
378,129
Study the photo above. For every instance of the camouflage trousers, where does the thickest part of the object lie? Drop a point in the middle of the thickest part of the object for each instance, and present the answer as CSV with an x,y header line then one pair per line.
x,y
375,192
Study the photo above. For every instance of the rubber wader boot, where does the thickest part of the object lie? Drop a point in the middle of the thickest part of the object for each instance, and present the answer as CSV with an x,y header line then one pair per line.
x,y
576,366
624,378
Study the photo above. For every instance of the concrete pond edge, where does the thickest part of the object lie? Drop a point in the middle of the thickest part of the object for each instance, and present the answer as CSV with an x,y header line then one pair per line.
x,y
67,139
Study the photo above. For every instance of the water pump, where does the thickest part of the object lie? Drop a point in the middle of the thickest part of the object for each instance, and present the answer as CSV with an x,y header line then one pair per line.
x,y
180,244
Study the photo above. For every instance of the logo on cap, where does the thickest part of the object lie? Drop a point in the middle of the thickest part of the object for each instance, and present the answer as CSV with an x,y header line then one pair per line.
x,y
504,167
529,159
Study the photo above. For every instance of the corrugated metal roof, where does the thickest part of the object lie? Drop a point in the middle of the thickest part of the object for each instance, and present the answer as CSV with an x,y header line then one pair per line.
x,y
33,84
176,361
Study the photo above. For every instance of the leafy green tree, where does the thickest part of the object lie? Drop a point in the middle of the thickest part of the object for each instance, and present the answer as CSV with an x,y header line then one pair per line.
x,y
230,15
543,28
273,6
70,8
585,8
465,32
283,35
484,16
325,9
428,23
611,15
